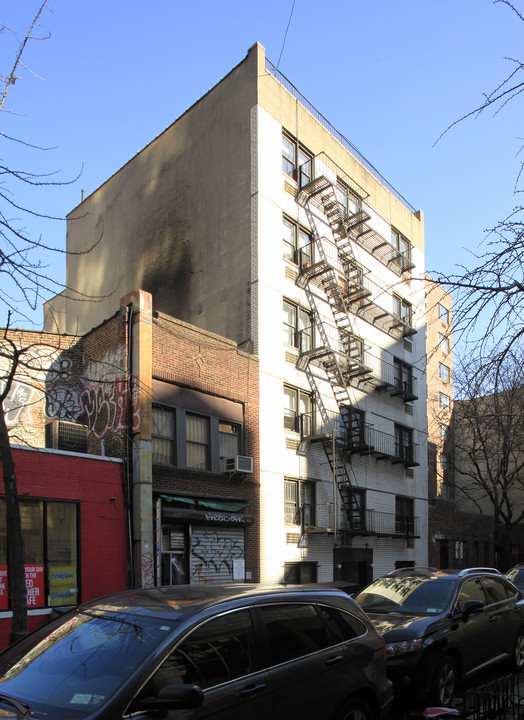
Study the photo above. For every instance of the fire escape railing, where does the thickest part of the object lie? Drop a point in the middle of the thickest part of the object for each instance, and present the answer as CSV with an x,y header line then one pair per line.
x,y
356,224
362,368
357,438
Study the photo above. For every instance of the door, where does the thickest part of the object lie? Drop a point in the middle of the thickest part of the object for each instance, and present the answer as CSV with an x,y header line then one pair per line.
x,y
220,656
309,676
475,632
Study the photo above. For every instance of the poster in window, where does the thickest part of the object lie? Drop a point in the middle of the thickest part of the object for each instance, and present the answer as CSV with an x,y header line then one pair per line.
x,y
34,583
3,587
62,585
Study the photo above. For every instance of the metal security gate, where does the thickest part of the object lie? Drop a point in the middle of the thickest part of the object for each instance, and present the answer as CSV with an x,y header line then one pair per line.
x,y
217,555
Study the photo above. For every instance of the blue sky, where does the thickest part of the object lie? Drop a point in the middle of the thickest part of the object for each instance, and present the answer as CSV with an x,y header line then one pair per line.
x,y
389,75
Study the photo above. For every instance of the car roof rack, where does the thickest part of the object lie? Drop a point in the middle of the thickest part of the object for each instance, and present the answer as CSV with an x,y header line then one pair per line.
x,y
414,570
473,570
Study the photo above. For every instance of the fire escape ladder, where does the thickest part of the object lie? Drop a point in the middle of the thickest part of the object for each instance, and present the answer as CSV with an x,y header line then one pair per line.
x,y
335,360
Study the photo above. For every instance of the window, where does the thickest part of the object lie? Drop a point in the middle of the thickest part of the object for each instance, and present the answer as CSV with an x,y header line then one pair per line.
x,y
228,439
402,309
404,516
299,573
444,372
299,503
50,532
444,463
347,198
216,652
184,439
356,509
293,631
400,243
443,431
443,342
162,435
297,242
297,410
197,442
403,443
342,625
297,162
443,314
353,426
403,377
298,328
444,401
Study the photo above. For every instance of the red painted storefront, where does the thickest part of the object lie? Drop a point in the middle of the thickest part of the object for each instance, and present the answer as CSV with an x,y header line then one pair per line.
x,y
95,485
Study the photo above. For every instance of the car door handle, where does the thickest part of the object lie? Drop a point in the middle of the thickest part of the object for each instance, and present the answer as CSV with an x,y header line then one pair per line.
x,y
251,689
334,659
492,618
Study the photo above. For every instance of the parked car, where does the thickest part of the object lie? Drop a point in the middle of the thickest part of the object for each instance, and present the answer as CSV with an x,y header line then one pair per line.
x,y
202,651
441,626
516,575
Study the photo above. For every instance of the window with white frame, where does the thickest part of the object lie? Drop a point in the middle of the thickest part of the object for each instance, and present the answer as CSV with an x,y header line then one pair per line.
x,y
228,439
297,410
444,372
297,161
299,502
443,313
400,243
443,342
298,326
402,309
297,242
444,401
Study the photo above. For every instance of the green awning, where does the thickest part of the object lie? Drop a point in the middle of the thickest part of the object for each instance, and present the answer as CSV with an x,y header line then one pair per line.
x,y
230,505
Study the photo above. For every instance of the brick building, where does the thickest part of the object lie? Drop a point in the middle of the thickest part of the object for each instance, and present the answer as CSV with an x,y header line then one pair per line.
x,y
456,538
111,394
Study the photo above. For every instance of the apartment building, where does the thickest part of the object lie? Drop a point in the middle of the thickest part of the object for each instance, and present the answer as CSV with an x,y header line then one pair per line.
x,y
458,535
253,218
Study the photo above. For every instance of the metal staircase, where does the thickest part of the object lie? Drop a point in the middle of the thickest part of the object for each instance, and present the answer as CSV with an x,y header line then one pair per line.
x,y
341,282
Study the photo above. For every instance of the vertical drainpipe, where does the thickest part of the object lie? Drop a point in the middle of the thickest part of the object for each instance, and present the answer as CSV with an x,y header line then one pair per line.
x,y
141,371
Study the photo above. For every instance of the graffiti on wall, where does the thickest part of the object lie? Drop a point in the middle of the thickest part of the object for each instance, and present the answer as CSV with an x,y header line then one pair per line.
x,y
215,554
20,396
99,404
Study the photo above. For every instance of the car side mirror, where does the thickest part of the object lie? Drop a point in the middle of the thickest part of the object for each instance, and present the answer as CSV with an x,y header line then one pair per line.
x,y
175,696
470,607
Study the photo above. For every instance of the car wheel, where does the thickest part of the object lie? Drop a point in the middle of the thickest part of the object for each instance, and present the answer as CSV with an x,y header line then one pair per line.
x,y
518,651
355,709
445,680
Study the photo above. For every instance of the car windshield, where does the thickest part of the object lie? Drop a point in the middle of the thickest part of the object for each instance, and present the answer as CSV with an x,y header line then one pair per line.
x,y
408,595
516,575
77,665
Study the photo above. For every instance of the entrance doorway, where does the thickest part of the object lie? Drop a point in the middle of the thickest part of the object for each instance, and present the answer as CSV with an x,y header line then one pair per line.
x,y
353,567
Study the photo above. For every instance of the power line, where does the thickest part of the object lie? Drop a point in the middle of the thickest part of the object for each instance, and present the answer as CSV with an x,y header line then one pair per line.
x,y
285,36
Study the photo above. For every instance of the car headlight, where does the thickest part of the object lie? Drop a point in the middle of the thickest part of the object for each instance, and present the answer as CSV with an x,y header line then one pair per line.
x,y
402,648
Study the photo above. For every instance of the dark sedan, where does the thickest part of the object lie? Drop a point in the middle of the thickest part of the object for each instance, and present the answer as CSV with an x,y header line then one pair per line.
x,y
195,652
441,626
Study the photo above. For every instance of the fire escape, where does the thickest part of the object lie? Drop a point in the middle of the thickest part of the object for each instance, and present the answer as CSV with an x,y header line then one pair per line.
x,y
328,272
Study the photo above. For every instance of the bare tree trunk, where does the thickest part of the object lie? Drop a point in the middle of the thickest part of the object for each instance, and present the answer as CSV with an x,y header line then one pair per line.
x,y
15,548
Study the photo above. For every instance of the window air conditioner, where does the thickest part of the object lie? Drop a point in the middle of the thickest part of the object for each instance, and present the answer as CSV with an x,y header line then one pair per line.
x,y
238,463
